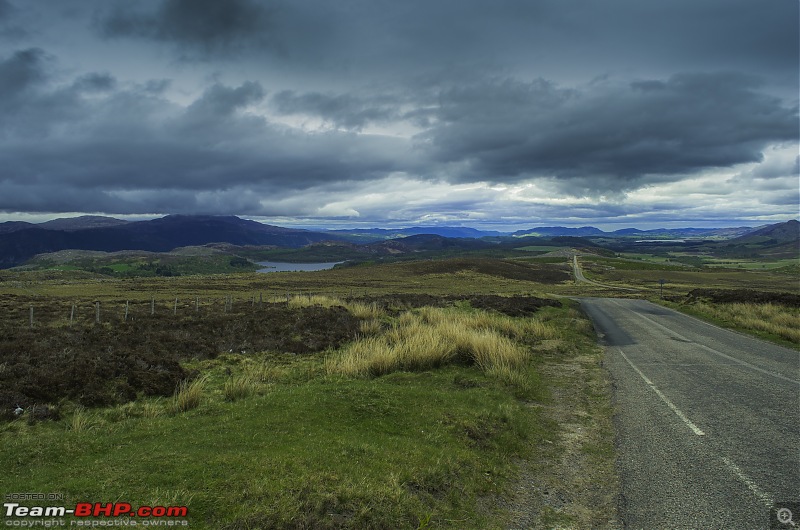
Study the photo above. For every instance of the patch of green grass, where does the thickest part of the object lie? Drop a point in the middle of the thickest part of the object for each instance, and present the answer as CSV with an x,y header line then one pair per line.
x,y
300,447
539,248
330,453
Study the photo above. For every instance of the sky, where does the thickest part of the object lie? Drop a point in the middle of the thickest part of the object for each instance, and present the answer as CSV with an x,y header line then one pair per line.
x,y
501,114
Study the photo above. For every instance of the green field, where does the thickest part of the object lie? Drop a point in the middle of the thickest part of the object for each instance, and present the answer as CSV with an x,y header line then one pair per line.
x,y
436,393
278,435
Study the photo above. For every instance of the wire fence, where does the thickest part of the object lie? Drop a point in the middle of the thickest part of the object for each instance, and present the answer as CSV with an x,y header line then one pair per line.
x,y
38,313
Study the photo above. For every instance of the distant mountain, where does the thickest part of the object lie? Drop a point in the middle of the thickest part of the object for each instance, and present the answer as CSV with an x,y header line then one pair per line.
x,y
780,240
681,232
15,226
671,233
364,234
554,231
788,232
81,223
158,235
426,242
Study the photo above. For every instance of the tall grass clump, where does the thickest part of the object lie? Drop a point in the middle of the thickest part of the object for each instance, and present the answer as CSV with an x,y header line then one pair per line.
x,y
80,421
365,311
357,309
770,318
188,395
433,337
238,387
490,350
308,300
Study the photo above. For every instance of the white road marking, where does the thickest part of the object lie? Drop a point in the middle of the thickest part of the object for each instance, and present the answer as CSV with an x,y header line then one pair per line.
x,y
765,498
695,429
762,496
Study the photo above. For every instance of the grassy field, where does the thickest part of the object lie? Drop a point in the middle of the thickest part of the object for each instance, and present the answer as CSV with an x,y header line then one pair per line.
x,y
459,393
760,300
681,279
312,400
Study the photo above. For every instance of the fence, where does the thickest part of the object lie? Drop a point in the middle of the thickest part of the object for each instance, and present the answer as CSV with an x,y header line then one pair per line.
x,y
40,312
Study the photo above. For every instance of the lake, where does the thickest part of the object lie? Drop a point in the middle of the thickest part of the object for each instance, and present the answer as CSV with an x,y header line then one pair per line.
x,y
278,266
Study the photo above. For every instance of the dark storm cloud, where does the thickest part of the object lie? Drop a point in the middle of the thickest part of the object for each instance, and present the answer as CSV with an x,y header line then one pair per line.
x,y
21,72
127,149
5,9
295,107
348,111
368,39
206,26
95,82
605,136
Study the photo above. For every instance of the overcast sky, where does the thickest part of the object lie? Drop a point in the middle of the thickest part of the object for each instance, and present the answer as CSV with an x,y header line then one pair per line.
x,y
499,114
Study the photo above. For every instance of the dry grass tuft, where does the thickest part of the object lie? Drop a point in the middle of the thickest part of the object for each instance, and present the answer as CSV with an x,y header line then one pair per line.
x,y
357,309
238,387
81,420
188,395
432,337
772,318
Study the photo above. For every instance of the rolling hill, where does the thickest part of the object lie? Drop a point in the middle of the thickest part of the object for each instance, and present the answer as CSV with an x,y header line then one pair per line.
x,y
157,235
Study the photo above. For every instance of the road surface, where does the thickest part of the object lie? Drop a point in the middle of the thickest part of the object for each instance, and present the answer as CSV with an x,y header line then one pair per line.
x,y
583,279
708,420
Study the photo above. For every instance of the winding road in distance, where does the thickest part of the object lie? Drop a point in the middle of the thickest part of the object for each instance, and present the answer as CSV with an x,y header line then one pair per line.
x,y
708,420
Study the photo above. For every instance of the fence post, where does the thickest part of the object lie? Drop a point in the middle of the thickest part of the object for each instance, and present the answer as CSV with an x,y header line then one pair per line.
x,y
153,306
31,319
72,314
126,310
97,312
196,304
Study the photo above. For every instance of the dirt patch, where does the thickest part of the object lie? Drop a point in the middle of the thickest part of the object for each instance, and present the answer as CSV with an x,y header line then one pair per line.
x,y
742,296
573,484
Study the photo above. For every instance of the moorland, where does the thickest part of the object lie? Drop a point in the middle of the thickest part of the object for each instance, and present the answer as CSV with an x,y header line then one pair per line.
x,y
430,382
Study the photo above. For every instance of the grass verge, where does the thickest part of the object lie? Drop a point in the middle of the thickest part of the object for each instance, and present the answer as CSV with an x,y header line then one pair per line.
x,y
774,322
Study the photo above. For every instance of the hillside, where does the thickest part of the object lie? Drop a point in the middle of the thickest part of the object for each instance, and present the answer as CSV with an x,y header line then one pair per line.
x,y
780,240
158,235
81,223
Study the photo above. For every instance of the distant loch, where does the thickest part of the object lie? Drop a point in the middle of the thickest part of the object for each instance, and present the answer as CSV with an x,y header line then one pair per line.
x,y
278,266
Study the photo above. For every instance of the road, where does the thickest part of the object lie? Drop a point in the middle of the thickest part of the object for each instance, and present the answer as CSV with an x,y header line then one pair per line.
x,y
708,420
583,279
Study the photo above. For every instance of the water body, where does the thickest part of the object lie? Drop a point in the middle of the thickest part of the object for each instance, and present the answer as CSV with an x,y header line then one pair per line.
x,y
278,266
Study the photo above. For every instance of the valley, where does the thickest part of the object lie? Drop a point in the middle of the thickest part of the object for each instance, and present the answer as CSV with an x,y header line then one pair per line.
x,y
305,392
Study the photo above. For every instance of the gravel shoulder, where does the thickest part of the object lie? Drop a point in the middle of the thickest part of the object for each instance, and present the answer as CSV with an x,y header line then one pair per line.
x,y
574,484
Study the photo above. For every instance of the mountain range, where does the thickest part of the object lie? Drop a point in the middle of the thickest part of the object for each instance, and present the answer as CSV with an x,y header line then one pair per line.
x,y
20,241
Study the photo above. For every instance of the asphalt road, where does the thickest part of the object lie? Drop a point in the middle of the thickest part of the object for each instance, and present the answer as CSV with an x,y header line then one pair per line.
x,y
576,268
708,420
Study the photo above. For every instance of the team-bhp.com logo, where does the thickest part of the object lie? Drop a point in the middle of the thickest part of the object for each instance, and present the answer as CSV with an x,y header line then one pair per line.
x,y
88,514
